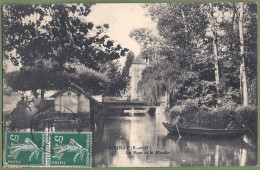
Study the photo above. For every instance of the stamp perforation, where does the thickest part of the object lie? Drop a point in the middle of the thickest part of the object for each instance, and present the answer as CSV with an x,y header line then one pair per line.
x,y
88,136
6,165
48,149
4,147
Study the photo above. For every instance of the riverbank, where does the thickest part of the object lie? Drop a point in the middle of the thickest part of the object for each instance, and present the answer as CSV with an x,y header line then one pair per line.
x,y
245,117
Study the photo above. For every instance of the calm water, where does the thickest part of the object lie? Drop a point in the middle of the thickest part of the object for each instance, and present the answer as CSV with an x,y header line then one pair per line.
x,y
146,135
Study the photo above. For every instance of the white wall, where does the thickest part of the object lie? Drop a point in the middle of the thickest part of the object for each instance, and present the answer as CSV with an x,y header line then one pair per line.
x,y
66,103
84,104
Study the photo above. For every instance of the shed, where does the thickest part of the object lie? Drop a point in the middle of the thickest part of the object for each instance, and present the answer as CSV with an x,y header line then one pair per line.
x,y
74,99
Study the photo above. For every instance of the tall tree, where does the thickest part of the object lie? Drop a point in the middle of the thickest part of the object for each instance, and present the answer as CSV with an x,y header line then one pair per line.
x,y
44,77
33,78
202,40
116,80
128,63
250,41
57,32
215,43
150,43
242,53
182,30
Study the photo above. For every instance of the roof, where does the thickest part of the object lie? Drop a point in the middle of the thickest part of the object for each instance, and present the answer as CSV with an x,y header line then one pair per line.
x,y
76,89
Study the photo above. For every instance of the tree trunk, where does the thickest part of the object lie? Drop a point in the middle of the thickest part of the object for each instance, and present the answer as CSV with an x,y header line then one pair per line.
x,y
241,85
233,17
166,99
186,30
216,63
42,97
171,99
233,29
242,53
185,24
215,45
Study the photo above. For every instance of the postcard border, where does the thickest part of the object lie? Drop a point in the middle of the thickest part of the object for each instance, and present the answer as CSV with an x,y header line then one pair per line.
x,y
133,1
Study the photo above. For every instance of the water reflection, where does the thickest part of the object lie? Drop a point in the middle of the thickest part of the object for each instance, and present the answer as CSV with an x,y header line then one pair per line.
x,y
148,131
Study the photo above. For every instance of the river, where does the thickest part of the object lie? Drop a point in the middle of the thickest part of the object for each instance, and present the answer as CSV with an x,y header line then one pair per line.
x,y
144,142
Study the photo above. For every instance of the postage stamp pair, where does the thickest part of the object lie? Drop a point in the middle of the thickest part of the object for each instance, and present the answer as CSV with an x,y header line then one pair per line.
x,y
47,149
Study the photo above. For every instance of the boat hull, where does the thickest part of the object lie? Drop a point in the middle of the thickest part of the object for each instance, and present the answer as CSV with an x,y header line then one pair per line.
x,y
195,131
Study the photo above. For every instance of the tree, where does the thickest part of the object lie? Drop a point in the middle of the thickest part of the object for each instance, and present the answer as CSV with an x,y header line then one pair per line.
x,y
182,28
215,43
202,41
242,53
31,78
150,44
116,80
128,63
56,32
44,77
158,78
250,45
92,81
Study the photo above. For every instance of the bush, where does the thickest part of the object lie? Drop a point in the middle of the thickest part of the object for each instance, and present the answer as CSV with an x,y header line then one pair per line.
x,y
186,110
217,118
247,117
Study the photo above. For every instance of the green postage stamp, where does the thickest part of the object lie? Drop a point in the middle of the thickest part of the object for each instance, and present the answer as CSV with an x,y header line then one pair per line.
x,y
68,149
24,149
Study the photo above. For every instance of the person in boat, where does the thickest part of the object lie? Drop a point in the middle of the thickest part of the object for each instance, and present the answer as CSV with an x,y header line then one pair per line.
x,y
179,119
232,123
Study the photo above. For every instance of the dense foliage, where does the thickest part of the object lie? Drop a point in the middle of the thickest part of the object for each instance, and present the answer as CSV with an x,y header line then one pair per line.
x,y
43,76
57,32
51,42
194,40
245,117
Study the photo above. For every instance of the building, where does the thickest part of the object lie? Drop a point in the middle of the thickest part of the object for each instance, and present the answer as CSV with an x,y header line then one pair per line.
x,y
135,73
74,100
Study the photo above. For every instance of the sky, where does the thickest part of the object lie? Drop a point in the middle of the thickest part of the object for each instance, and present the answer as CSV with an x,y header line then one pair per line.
x,y
122,19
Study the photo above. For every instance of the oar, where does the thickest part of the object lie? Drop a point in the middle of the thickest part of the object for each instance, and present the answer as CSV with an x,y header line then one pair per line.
x,y
178,132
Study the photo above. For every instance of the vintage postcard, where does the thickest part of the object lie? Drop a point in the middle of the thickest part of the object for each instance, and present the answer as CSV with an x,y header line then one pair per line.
x,y
130,84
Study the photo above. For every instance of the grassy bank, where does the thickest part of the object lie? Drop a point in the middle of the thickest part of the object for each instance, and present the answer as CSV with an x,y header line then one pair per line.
x,y
217,118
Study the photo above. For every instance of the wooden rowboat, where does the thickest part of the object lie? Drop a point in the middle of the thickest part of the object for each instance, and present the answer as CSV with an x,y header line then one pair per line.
x,y
198,131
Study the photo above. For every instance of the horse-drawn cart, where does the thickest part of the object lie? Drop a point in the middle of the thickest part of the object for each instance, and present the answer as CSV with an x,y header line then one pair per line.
x,y
69,109
18,119
23,119
56,121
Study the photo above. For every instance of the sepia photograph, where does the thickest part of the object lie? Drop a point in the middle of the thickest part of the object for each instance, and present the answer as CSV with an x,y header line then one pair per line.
x,y
130,84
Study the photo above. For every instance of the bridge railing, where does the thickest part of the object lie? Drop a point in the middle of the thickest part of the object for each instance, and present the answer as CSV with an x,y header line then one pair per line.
x,y
115,98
